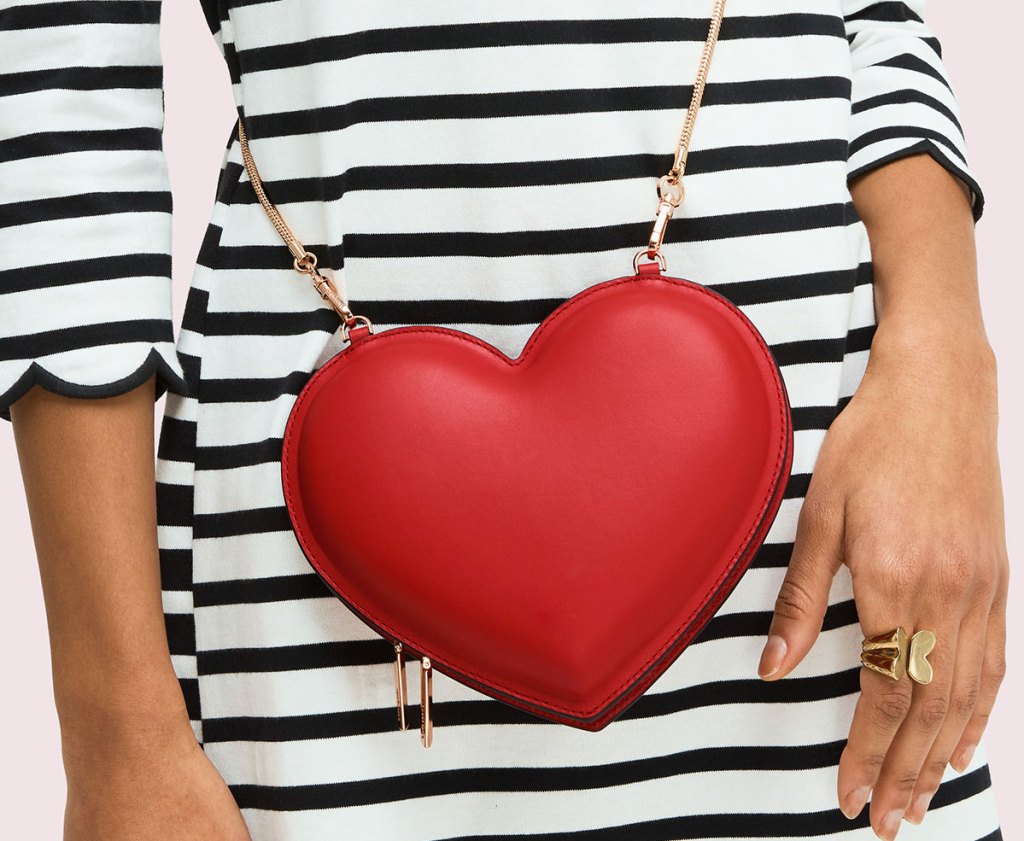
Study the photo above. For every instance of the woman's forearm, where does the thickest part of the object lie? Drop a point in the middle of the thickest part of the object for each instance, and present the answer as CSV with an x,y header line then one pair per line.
x,y
921,230
88,470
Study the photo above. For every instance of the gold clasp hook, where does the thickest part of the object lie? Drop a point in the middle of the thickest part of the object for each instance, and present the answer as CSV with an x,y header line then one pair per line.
x,y
670,196
305,263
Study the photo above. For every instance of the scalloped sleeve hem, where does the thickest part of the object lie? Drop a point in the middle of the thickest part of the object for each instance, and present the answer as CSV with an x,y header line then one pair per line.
x,y
117,376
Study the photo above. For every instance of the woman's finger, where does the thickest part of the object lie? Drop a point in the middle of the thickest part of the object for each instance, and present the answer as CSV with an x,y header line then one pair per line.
x,y
898,775
803,596
993,671
963,698
882,706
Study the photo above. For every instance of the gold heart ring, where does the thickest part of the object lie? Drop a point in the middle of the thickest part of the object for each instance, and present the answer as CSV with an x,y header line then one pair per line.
x,y
894,655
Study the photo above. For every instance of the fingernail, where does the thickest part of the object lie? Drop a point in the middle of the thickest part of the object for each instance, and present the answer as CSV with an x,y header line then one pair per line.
x,y
916,812
772,656
853,803
964,759
890,825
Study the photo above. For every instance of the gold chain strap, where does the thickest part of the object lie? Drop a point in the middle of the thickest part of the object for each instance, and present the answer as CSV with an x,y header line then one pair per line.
x,y
670,185
670,191
305,261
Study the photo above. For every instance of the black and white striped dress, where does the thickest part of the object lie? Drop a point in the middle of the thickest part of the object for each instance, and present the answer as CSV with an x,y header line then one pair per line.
x,y
470,165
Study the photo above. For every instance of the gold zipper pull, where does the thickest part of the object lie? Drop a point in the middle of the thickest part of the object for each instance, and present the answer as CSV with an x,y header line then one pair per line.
x,y
401,686
426,691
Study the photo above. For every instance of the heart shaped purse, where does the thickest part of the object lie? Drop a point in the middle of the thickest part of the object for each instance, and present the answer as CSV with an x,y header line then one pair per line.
x,y
551,530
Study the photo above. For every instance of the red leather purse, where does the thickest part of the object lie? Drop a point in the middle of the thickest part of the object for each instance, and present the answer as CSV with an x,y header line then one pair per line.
x,y
551,530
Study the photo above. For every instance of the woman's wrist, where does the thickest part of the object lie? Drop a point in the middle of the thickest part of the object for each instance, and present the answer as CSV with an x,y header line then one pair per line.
x,y
941,349
134,715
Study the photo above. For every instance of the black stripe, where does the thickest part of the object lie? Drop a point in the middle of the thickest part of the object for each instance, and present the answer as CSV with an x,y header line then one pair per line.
x,y
772,556
527,33
811,351
535,779
794,287
176,569
286,658
46,144
77,78
190,366
310,121
196,305
212,13
909,61
177,439
47,342
378,652
84,205
518,243
887,11
236,523
540,173
210,246
174,504
46,15
190,689
258,590
907,96
181,632
488,711
756,623
744,825
895,132
813,417
89,270
733,824
252,390
230,456
796,485
596,239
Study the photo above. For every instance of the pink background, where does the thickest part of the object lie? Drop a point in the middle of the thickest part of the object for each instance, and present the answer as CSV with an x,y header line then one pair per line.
x,y
982,54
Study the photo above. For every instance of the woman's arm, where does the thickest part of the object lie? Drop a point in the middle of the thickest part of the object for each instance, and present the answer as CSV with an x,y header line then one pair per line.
x,y
907,493
133,765
87,466
921,231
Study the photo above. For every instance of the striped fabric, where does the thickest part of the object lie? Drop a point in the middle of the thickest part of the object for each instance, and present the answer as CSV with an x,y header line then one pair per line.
x,y
470,165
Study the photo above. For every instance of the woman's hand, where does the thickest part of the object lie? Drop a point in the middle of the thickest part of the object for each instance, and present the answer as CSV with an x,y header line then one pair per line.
x,y
906,492
142,781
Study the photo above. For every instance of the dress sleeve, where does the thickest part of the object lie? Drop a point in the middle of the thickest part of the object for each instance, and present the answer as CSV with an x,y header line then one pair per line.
x,y
85,201
903,102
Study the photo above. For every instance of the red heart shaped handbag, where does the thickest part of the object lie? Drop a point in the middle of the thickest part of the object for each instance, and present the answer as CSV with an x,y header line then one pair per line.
x,y
551,530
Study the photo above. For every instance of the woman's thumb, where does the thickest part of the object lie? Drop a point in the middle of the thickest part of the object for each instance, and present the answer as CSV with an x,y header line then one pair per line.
x,y
803,596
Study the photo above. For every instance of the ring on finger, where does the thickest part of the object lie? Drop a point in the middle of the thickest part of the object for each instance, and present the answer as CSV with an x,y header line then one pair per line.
x,y
894,655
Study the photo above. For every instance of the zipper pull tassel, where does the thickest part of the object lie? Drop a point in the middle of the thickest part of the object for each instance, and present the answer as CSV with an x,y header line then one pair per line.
x,y
401,686
426,691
